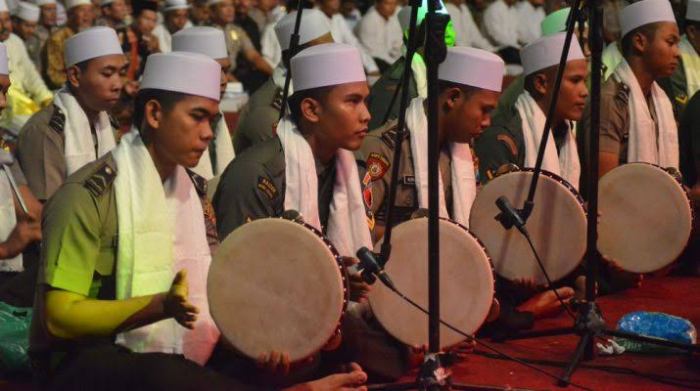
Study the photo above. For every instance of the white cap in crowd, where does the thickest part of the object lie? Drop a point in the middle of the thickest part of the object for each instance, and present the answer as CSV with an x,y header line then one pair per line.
x,y
693,11
91,43
164,71
27,12
546,52
208,41
74,3
4,67
645,12
42,3
328,64
472,67
314,24
172,5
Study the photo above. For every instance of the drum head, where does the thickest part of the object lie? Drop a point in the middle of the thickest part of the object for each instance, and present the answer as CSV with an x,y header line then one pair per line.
x,y
645,217
466,283
275,285
557,227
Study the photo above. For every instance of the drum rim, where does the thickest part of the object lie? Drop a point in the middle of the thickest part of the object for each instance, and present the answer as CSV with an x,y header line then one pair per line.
x,y
338,261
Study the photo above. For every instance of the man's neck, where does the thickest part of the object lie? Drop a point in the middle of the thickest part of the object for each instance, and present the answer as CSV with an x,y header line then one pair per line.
x,y
91,114
165,169
322,153
543,104
644,77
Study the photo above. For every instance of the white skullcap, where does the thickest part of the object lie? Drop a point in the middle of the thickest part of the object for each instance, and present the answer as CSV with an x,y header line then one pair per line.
x,y
208,41
3,6
472,67
74,3
693,11
91,43
328,64
313,25
555,22
106,2
41,3
4,68
27,12
166,71
172,5
213,2
546,52
645,12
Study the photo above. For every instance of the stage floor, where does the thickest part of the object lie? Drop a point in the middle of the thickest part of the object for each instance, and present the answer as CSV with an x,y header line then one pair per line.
x,y
673,295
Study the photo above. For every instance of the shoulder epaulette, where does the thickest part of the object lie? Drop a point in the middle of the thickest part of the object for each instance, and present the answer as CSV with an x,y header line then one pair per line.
x,y
200,184
623,93
98,182
389,135
277,99
58,120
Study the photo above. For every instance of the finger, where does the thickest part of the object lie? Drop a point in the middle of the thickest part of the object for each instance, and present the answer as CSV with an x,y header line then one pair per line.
x,y
353,366
274,360
285,362
262,359
349,261
188,307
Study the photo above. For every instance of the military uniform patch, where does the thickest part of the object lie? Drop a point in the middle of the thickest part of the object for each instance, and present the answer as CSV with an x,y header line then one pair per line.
x,y
277,99
57,121
377,165
97,183
682,99
367,196
266,186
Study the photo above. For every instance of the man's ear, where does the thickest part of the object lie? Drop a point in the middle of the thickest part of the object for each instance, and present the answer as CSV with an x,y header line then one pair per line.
x,y
153,114
639,42
692,32
73,75
541,83
454,95
310,109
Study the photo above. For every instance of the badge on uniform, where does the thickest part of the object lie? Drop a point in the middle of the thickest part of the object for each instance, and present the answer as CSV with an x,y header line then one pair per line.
x,y
377,165
266,186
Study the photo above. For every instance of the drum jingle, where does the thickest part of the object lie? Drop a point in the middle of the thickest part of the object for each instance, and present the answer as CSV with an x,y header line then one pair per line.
x,y
287,297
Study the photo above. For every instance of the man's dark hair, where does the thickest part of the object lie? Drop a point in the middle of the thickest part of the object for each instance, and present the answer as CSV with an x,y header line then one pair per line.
x,y
648,30
444,85
167,100
295,100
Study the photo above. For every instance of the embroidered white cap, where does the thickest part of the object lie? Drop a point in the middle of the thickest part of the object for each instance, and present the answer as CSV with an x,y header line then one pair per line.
x,y
41,3
314,24
472,67
74,3
546,52
28,12
328,64
645,12
172,5
693,11
91,43
4,67
555,22
208,41
166,71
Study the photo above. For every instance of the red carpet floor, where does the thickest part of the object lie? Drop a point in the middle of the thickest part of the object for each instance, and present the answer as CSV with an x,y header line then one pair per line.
x,y
674,295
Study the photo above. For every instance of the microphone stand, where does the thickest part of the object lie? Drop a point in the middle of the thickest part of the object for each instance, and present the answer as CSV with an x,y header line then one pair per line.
x,y
433,373
291,52
589,322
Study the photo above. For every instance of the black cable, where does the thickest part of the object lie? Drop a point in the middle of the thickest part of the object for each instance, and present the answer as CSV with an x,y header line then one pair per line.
x,y
546,276
472,338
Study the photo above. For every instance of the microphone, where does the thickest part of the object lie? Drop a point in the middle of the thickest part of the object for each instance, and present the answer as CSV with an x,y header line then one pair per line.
x,y
509,216
370,264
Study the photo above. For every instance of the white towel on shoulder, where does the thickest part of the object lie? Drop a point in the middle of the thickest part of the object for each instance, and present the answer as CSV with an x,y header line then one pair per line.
x,y
462,172
644,145
79,145
347,223
564,163
161,231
